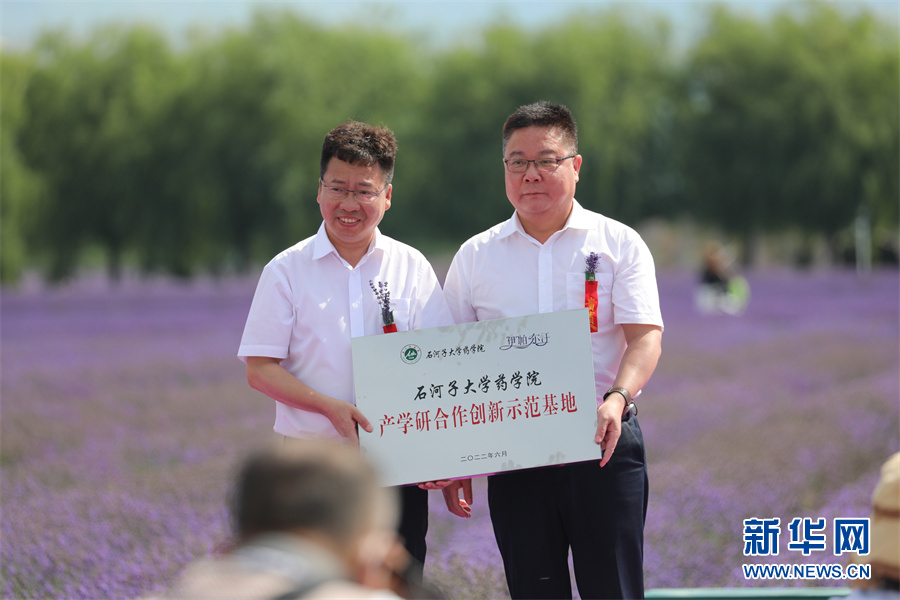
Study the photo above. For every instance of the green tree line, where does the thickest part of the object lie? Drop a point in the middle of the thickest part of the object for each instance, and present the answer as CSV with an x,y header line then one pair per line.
x,y
202,156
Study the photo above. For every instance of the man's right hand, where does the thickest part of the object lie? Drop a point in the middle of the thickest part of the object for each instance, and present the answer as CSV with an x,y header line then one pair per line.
x,y
345,417
268,376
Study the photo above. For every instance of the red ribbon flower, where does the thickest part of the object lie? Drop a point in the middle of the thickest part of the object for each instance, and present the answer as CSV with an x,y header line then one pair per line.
x,y
590,288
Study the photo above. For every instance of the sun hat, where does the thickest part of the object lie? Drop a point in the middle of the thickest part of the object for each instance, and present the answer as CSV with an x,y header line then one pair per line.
x,y
884,547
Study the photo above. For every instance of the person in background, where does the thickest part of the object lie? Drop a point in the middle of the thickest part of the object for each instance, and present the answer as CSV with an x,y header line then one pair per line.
x,y
536,262
716,267
884,549
310,521
722,290
346,281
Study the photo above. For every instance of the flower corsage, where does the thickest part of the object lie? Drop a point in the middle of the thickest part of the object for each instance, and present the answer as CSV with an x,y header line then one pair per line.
x,y
383,294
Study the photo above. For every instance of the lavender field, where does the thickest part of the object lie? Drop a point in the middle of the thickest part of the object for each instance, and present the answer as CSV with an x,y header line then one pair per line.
x,y
124,411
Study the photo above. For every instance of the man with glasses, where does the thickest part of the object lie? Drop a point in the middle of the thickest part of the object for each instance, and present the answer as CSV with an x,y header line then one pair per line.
x,y
318,294
533,263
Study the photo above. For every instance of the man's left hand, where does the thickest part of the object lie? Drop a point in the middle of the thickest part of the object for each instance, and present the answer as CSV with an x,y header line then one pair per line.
x,y
609,425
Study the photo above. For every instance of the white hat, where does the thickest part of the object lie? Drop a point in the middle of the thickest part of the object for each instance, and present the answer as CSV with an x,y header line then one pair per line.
x,y
884,547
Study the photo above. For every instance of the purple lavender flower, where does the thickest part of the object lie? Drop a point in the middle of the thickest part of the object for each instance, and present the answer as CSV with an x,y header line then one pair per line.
x,y
115,471
590,266
383,294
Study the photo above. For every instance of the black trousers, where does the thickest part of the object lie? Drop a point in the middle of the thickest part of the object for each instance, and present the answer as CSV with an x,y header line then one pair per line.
x,y
538,514
414,524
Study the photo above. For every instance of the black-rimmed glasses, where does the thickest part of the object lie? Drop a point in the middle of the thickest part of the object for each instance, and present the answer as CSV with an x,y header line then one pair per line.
x,y
544,165
361,196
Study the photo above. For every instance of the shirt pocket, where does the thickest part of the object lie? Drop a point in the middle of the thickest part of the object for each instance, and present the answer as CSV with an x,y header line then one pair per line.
x,y
575,295
400,308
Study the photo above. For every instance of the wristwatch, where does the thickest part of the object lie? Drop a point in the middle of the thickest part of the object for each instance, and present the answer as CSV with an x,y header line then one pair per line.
x,y
630,406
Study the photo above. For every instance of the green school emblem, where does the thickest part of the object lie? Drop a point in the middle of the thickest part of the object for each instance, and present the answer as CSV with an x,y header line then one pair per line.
x,y
411,354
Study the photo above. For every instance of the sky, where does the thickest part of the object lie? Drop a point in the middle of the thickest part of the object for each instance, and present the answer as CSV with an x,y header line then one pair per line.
x,y
438,22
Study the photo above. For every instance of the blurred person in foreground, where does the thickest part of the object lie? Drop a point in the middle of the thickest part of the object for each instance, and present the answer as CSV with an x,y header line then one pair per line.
x,y
318,294
310,520
884,544
535,262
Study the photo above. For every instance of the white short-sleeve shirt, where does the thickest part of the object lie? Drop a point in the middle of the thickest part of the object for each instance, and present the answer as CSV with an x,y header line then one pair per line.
x,y
310,302
504,272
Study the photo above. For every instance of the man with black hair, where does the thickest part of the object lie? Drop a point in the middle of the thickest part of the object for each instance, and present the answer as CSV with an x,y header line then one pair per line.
x,y
318,294
536,262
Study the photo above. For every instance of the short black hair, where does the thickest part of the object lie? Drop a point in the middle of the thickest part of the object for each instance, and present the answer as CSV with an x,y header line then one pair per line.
x,y
360,144
543,114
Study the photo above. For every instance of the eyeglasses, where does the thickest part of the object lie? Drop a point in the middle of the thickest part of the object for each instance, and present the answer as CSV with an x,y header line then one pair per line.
x,y
361,196
544,165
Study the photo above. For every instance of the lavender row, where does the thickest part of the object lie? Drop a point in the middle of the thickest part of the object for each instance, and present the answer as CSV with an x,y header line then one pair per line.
x,y
125,411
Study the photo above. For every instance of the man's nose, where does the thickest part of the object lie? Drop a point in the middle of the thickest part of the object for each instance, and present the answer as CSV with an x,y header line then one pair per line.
x,y
350,203
532,173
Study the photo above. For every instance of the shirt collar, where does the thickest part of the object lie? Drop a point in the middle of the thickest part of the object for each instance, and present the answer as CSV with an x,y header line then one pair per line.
x,y
291,555
579,218
513,225
322,246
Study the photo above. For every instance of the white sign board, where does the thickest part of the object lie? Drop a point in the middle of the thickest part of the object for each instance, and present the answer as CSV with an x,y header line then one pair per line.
x,y
478,398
